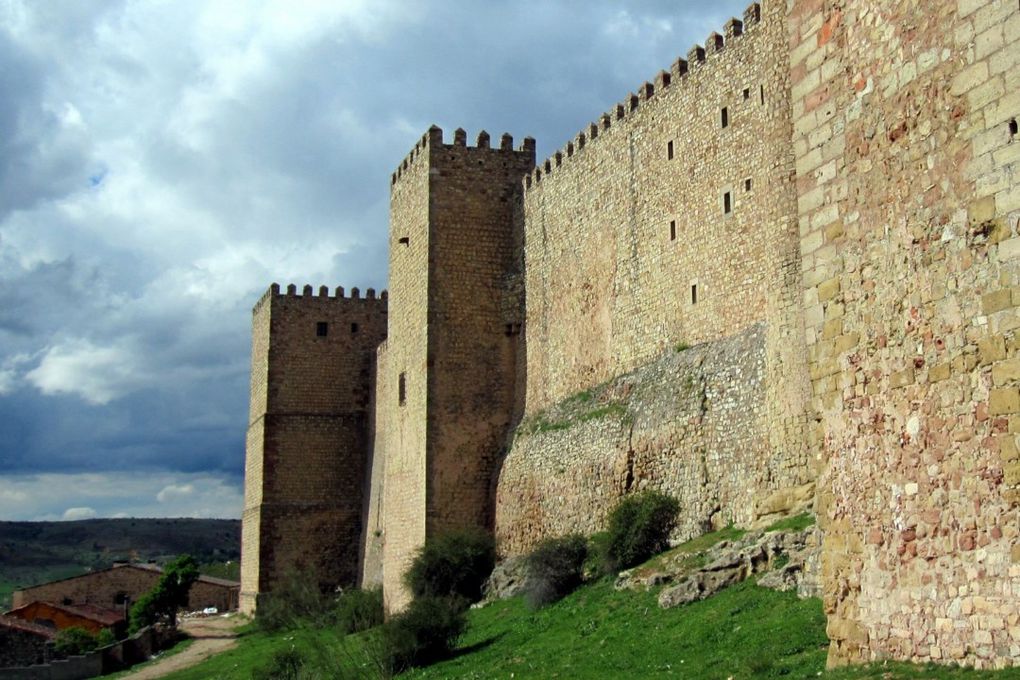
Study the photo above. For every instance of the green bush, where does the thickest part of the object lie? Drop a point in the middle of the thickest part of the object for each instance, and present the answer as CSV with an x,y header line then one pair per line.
x,y
358,610
170,594
296,600
639,528
454,564
285,664
424,633
105,638
555,568
73,641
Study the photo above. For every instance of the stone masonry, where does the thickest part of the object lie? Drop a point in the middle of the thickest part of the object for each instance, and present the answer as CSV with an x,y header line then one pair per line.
x,y
785,272
309,435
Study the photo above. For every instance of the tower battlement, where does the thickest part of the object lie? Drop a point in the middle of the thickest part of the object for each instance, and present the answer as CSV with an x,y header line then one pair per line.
x,y
433,139
666,82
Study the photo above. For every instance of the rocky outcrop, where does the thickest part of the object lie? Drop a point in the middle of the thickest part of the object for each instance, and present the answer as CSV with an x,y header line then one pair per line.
x,y
785,560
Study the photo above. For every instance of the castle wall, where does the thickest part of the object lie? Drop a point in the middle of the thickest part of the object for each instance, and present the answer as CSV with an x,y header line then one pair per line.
x,y
908,206
660,227
451,248
472,350
313,368
373,525
691,424
401,401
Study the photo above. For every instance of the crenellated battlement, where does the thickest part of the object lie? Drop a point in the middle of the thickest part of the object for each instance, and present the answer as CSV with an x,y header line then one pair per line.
x,y
308,291
698,57
433,138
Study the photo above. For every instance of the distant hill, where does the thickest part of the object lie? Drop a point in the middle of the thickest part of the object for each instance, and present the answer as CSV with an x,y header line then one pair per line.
x,y
36,552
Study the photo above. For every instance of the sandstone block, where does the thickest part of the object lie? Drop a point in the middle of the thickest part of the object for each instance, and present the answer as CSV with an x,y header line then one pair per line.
x,y
828,289
996,301
1003,401
991,349
1005,372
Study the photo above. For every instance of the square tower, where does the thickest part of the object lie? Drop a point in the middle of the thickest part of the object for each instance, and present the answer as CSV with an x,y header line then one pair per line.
x,y
309,435
446,388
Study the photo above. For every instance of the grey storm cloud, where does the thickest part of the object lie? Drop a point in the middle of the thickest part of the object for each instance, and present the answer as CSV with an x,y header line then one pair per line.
x,y
162,163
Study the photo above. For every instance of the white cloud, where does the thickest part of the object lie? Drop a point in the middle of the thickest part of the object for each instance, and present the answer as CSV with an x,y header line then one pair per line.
x,y
175,492
96,374
119,494
72,514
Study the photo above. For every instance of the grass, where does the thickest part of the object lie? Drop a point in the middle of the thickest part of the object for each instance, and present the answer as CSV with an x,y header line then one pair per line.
x,y
743,632
796,523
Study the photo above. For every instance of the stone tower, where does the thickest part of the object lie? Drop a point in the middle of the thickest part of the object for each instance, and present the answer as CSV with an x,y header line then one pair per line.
x,y
447,371
309,435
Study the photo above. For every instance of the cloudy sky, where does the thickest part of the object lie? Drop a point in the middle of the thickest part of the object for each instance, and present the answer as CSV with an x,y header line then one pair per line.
x,y
162,162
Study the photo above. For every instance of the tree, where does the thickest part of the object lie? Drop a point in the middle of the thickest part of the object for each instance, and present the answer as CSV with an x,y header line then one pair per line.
x,y
170,594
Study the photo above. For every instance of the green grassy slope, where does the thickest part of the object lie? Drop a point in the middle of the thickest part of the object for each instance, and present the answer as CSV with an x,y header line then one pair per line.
x,y
743,632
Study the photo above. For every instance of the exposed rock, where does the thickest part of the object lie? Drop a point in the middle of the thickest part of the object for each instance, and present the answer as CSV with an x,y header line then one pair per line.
x,y
506,580
787,560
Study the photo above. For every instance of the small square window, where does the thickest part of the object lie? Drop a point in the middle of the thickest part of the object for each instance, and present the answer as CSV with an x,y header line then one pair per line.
x,y
727,203
669,150
354,328
672,230
321,329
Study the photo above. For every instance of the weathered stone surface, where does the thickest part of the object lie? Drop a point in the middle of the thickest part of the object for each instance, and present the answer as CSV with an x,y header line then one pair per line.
x,y
732,562
692,424
507,579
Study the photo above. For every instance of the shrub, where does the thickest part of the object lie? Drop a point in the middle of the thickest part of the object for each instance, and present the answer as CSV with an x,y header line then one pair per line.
x,y
296,599
555,568
170,594
424,633
105,638
74,640
285,664
358,610
639,527
454,564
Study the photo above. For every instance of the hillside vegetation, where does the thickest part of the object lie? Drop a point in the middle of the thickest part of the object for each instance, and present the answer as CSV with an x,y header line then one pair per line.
x,y
745,631
36,552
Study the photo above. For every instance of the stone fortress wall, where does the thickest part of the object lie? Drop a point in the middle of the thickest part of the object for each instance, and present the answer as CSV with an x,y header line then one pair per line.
x,y
905,135
822,202
669,221
310,426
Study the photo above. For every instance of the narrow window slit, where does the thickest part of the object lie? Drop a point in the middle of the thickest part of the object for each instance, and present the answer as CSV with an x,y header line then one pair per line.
x,y
672,230
747,93
1012,129
725,117
402,389
669,150
694,293
747,184
727,203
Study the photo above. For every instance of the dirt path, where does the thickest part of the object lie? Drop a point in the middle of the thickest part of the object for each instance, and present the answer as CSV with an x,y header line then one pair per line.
x,y
212,635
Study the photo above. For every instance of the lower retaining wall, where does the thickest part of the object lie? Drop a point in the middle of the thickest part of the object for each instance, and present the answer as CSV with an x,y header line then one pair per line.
x,y
135,649
692,424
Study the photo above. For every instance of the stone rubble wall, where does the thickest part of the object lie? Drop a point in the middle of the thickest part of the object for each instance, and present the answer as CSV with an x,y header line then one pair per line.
x,y
692,424
908,206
